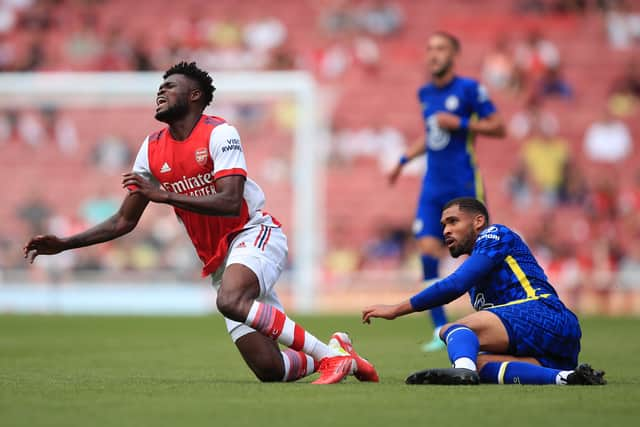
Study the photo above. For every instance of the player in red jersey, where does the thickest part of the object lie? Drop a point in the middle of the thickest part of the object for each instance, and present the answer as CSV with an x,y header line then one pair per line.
x,y
197,165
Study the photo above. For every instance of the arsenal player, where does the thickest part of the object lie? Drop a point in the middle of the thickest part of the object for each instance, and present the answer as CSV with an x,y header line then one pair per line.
x,y
196,164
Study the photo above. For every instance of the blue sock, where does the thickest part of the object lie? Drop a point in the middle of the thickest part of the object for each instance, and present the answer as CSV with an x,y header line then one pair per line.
x,y
462,346
430,271
520,373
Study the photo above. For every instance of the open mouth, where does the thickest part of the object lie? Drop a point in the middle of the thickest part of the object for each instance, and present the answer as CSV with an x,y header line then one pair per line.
x,y
161,100
449,242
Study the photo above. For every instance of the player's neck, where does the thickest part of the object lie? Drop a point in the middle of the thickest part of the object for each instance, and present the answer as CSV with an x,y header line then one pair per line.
x,y
182,128
445,79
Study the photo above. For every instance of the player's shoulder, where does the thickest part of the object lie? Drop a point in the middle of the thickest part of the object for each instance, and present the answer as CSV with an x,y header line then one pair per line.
x,y
467,81
155,136
495,232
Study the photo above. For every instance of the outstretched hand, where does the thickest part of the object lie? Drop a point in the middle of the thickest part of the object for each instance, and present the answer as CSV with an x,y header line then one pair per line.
x,y
138,185
388,312
42,245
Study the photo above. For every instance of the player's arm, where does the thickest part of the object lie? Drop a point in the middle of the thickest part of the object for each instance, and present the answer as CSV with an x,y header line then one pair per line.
x,y
415,150
440,293
227,200
492,125
121,223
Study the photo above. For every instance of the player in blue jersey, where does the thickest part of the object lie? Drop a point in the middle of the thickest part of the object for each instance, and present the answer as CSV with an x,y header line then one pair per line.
x,y
521,332
454,109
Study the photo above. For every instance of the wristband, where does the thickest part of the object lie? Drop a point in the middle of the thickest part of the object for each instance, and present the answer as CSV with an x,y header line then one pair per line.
x,y
464,123
404,160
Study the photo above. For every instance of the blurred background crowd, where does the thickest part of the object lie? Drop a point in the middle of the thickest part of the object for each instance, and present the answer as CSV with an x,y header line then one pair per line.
x,y
564,74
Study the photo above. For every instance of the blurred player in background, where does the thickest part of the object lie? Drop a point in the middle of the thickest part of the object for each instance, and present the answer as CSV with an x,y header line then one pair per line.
x,y
197,165
454,109
524,332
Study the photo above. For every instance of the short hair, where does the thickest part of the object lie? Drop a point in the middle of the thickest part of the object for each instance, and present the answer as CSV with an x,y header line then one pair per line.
x,y
455,43
469,204
191,70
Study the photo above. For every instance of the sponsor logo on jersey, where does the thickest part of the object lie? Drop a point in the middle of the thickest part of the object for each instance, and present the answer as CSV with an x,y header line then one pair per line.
x,y
165,168
489,233
480,302
437,138
452,102
199,185
202,154
232,144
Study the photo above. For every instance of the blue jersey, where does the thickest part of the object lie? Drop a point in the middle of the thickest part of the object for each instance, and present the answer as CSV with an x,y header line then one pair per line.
x,y
451,164
515,276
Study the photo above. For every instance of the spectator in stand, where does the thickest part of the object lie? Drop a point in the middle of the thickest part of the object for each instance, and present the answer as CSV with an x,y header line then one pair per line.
x,y
607,140
545,157
573,190
553,84
536,55
602,202
35,212
499,69
60,129
623,25
533,116
112,154
380,18
625,91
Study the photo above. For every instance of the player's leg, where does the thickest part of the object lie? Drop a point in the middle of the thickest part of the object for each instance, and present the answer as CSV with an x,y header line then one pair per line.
x,y
250,274
505,369
428,234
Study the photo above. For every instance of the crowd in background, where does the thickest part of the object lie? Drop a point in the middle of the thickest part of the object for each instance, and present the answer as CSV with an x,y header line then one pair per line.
x,y
548,173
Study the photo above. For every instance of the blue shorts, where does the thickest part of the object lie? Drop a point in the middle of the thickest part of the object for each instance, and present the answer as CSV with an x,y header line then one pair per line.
x,y
429,212
543,329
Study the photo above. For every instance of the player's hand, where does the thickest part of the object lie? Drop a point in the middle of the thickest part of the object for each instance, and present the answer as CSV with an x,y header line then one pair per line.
x,y
42,245
388,312
394,174
138,185
448,121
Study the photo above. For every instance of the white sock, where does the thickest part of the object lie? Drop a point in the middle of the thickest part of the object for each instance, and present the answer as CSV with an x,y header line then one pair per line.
x,y
464,362
561,378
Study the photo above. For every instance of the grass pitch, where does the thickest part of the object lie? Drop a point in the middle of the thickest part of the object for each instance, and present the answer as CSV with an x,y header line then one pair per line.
x,y
100,371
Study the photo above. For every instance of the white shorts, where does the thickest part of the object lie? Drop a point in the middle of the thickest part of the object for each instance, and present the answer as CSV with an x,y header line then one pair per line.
x,y
263,249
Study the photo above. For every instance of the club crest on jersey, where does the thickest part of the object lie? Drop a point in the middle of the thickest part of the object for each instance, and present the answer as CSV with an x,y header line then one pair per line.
x,y
202,154
452,102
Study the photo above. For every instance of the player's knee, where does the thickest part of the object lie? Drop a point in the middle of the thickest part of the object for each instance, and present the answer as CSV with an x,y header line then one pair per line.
x,y
267,376
232,305
443,330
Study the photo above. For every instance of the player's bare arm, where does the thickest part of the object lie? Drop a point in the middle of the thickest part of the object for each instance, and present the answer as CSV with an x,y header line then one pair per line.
x,y
121,223
227,201
490,126
415,150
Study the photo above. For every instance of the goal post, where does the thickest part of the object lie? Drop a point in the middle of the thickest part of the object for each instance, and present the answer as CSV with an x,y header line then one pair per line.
x,y
133,89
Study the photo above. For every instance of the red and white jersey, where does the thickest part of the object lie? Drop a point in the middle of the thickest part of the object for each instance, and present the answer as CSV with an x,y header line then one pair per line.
x,y
212,151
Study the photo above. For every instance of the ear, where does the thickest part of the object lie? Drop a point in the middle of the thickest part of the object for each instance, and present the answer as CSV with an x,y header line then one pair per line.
x,y
479,221
196,94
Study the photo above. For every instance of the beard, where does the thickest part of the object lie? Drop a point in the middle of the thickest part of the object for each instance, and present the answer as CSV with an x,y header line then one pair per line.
x,y
443,70
174,112
464,246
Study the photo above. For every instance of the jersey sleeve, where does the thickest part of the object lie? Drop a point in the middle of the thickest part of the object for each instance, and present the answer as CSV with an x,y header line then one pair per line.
x,y
141,164
494,242
225,148
481,102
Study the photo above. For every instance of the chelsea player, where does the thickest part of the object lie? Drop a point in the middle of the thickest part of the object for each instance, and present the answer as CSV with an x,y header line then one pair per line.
x,y
455,109
521,332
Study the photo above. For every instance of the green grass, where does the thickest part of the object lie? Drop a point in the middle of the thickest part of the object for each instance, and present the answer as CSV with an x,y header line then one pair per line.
x,y
94,371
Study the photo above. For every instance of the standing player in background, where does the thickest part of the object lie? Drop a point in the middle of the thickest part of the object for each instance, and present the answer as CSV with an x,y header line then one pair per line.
x,y
454,109
197,165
